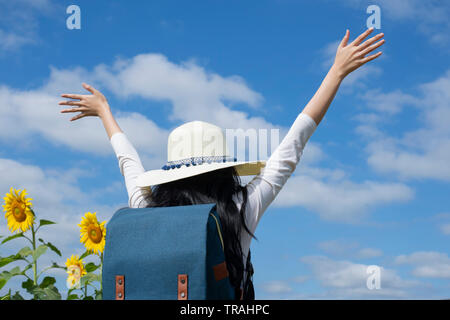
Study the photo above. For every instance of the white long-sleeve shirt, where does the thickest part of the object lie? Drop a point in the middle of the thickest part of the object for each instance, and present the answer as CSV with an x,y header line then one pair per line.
x,y
262,189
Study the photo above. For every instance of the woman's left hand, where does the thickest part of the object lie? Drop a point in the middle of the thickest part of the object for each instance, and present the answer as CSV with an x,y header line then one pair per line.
x,y
350,57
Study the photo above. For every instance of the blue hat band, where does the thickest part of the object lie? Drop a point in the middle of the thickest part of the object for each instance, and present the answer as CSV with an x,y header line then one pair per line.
x,y
193,161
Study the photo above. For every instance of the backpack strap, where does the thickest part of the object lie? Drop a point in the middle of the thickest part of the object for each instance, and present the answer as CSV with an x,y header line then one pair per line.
x,y
248,293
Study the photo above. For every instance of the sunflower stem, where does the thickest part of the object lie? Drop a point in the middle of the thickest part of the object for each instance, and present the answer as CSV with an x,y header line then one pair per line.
x,y
34,260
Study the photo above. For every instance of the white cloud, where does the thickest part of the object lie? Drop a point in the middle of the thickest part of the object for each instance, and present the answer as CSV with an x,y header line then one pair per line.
x,y
11,40
348,280
335,197
431,164
420,153
388,103
368,125
276,287
195,93
34,114
312,153
427,264
19,23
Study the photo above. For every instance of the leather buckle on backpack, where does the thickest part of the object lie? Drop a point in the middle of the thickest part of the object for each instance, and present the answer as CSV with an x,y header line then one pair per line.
x,y
182,287
120,287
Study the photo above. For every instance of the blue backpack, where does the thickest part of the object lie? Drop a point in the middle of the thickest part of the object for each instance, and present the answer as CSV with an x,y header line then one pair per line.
x,y
166,253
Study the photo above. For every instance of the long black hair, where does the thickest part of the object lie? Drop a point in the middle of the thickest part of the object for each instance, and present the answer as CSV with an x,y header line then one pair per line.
x,y
218,187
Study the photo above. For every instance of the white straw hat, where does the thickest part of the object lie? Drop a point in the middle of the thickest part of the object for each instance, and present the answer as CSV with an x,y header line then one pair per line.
x,y
194,148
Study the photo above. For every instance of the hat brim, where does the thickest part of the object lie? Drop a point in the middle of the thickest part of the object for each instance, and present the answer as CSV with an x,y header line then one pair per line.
x,y
155,177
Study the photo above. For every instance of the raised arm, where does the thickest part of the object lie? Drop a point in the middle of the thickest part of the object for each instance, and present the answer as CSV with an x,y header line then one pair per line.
x,y
349,57
263,188
130,165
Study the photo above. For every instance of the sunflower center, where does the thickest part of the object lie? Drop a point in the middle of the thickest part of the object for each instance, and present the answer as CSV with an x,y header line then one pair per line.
x,y
19,212
94,233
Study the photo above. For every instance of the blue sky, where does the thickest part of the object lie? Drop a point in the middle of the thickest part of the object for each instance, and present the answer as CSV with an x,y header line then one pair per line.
x,y
372,185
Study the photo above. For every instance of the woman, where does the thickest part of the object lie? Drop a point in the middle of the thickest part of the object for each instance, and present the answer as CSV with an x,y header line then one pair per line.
x,y
240,207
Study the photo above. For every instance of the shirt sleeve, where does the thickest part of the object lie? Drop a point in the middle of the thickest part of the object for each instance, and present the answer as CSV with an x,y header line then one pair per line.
x,y
130,167
263,188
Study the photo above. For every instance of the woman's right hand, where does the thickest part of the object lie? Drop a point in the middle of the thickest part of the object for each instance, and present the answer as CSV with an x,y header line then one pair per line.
x,y
350,57
94,104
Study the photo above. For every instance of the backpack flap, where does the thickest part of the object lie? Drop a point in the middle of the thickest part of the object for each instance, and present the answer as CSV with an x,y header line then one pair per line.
x,y
156,253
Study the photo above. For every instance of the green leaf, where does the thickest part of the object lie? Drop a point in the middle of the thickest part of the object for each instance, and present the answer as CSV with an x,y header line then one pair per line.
x,y
47,282
86,254
98,295
6,275
53,248
11,273
52,293
6,260
88,298
73,297
2,282
12,237
90,267
69,292
25,252
15,271
43,222
28,285
48,293
17,296
39,251
6,296
90,277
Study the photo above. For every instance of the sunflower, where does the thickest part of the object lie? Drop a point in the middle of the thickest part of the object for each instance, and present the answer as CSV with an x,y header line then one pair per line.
x,y
75,269
18,210
92,233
